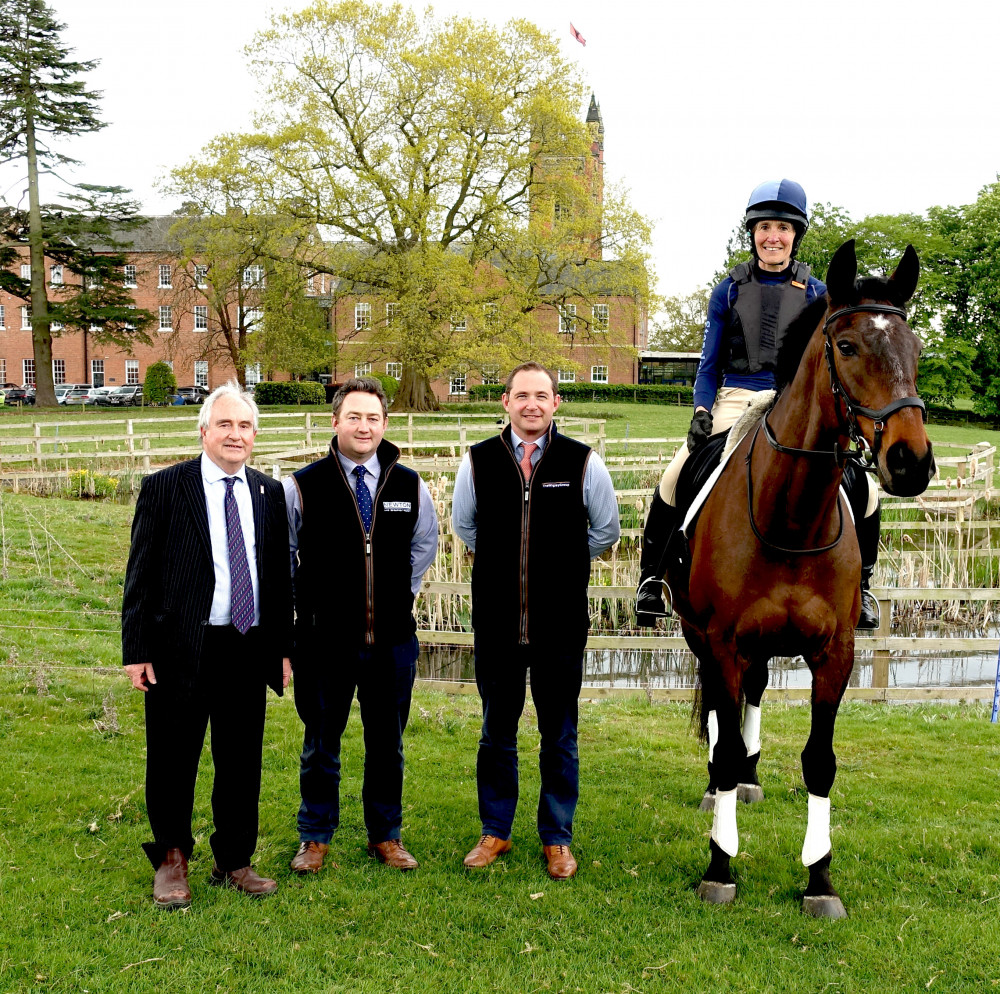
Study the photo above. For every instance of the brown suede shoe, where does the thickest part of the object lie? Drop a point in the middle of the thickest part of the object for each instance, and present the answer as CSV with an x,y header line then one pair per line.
x,y
392,853
170,883
245,879
560,861
309,858
486,851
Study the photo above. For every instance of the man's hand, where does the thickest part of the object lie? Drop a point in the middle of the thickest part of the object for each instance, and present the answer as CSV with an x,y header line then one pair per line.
x,y
141,675
286,671
701,428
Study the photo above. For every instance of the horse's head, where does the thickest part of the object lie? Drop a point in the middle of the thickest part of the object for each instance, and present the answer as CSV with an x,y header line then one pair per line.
x,y
872,354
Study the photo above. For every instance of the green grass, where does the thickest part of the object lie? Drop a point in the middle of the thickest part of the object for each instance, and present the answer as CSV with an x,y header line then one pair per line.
x,y
915,830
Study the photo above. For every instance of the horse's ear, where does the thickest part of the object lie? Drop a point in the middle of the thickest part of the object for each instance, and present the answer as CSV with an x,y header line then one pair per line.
x,y
843,272
904,278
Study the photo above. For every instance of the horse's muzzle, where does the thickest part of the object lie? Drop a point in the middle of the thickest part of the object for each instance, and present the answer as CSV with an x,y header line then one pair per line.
x,y
905,473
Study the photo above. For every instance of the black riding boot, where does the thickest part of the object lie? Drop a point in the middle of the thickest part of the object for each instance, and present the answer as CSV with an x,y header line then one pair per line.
x,y
868,532
660,524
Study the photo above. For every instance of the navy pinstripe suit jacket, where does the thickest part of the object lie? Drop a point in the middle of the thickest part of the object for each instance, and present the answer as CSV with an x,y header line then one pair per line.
x,y
170,578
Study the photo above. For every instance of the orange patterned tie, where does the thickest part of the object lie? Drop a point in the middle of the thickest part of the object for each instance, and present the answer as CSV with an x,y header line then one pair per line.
x,y
529,447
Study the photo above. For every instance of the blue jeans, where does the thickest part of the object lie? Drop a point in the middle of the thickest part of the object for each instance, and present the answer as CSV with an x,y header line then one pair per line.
x,y
556,679
324,691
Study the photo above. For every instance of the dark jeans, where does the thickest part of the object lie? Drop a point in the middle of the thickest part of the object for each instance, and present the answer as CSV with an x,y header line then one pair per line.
x,y
324,690
229,694
556,678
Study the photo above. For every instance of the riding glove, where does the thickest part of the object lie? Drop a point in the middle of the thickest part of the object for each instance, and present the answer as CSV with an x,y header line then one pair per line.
x,y
701,428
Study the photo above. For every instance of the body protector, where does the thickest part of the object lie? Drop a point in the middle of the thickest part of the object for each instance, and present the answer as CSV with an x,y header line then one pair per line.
x,y
760,316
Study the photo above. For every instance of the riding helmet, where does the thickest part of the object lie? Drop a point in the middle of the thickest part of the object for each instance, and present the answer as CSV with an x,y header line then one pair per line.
x,y
783,199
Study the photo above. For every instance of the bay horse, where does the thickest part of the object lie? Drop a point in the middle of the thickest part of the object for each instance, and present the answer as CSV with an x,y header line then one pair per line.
x,y
773,566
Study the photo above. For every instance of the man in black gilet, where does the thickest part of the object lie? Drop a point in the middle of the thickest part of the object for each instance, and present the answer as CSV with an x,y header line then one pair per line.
x,y
535,507
363,531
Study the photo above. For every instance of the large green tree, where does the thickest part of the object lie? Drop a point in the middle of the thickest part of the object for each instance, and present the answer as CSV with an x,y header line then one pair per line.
x,y
43,98
448,165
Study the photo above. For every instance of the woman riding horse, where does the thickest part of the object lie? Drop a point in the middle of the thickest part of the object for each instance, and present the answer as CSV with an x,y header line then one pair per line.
x,y
748,314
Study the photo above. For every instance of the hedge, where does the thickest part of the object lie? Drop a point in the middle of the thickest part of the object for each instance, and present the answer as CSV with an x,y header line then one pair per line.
x,y
646,393
307,392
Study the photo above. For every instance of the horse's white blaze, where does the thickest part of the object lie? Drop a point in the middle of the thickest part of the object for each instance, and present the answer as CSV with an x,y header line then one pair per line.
x,y
713,734
817,843
751,729
880,322
724,830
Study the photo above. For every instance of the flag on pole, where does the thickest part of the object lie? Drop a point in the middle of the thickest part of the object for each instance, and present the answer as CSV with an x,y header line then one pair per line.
x,y
576,34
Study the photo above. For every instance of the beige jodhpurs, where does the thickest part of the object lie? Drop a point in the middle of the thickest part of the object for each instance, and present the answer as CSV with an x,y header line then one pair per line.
x,y
730,403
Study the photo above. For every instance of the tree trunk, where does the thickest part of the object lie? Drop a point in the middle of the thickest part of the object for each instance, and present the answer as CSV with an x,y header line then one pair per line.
x,y
415,393
41,335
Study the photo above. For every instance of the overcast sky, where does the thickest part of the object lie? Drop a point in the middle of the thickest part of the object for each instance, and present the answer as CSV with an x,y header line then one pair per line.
x,y
877,106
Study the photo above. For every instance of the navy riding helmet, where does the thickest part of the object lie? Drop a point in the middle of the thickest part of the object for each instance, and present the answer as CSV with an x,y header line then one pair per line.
x,y
781,199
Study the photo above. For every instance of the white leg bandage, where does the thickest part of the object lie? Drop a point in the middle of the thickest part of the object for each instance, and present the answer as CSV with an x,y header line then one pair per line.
x,y
724,830
713,734
751,729
817,843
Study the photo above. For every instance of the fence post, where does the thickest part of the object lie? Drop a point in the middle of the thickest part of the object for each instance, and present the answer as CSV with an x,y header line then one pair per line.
x,y
38,446
309,429
409,431
130,437
881,657
145,457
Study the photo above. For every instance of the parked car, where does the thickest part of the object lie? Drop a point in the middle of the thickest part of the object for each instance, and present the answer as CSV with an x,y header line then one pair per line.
x,y
62,389
85,395
95,393
127,396
19,395
193,395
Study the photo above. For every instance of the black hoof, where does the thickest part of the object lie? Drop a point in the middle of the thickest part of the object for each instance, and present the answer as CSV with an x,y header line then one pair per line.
x,y
823,906
749,793
708,801
712,892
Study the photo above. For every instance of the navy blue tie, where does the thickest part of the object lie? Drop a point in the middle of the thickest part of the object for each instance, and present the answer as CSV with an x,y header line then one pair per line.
x,y
241,586
364,497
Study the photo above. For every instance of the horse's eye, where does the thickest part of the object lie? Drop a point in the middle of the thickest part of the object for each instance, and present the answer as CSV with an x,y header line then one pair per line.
x,y
846,348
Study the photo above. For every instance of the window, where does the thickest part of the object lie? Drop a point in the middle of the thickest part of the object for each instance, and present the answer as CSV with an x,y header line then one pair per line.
x,y
93,280
600,317
391,313
129,326
201,373
559,211
253,276
131,372
253,317
567,318
201,276
598,374
25,272
129,280
253,375
28,372
56,275
169,363
491,375
200,317
97,372
58,326
491,317
394,369
25,319
362,316
458,324
456,383
567,376
2,327
3,370
363,369
165,279
58,370
166,318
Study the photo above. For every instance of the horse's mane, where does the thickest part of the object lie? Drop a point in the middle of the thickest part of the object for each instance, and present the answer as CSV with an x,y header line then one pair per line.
x,y
797,337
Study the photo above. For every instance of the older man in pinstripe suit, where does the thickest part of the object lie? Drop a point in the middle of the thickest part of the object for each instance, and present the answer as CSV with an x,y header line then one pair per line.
x,y
206,627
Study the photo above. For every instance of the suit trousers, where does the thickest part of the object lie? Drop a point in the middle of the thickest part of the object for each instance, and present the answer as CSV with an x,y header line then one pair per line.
x,y
556,677
324,691
229,694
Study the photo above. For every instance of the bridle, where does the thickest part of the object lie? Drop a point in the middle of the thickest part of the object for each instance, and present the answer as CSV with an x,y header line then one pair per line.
x,y
864,455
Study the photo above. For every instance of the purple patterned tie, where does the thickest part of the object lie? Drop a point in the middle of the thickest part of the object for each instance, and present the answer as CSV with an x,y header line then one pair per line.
x,y
240,584
364,498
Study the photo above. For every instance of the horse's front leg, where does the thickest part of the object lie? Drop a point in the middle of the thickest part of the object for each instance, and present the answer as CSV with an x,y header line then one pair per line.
x,y
819,768
717,885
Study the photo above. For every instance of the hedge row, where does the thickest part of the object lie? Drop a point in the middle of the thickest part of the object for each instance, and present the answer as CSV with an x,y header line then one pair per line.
x,y
648,393
307,392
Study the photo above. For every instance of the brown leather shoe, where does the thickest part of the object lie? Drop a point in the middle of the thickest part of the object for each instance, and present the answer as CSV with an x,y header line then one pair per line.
x,y
309,858
485,851
392,853
245,879
560,861
170,883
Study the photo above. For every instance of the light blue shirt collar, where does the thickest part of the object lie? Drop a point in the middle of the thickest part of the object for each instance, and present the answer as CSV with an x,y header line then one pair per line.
x,y
540,441
212,473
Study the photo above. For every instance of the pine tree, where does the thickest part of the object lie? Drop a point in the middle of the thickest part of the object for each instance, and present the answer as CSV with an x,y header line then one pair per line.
x,y
43,97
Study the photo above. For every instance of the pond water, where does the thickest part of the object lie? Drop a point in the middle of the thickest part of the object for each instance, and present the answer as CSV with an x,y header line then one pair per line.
x,y
672,668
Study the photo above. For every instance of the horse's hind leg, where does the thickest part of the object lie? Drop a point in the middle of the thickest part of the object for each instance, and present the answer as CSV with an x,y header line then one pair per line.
x,y
819,767
749,789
